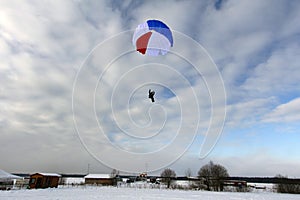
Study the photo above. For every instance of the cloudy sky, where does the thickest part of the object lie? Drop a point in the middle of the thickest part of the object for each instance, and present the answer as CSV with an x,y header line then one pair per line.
x,y
73,91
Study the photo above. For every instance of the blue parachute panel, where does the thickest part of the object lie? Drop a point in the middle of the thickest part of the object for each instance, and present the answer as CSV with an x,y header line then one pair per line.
x,y
161,28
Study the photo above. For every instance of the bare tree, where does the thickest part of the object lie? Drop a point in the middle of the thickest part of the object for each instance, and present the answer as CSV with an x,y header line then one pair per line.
x,y
167,175
114,173
213,175
188,172
205,173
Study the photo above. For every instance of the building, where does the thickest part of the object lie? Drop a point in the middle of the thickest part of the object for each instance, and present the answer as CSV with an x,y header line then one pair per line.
x,y
43,180
7,180
235,183
99,179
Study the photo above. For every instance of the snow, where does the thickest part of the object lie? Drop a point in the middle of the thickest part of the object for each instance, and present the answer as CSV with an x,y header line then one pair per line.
x,y
49,174
97,176
269,187
113,193
70,181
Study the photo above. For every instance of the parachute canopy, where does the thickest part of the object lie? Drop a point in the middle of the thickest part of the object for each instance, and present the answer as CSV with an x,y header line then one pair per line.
x,y
153,38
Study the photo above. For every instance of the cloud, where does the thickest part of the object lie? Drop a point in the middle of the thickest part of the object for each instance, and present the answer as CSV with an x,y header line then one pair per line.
x,y
43,44
278,74
287,112
122,106
241,36
260,163
247,113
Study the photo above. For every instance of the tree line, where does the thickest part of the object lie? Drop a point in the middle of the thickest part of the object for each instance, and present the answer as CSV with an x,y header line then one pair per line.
x,y
213,177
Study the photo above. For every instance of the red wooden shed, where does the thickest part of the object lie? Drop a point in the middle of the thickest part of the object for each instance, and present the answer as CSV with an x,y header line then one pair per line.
x,y
44,180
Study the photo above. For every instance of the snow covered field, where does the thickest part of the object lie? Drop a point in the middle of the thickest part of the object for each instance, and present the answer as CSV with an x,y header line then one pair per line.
x,y
111,193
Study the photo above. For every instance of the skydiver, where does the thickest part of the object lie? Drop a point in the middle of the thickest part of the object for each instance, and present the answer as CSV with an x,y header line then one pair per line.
x,y
151,95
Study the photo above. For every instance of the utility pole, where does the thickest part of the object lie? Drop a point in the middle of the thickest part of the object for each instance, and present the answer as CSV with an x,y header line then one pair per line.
x,y
88,168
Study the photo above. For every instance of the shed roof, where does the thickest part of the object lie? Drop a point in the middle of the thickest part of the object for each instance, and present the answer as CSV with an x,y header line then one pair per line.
x,y
97,176
48,174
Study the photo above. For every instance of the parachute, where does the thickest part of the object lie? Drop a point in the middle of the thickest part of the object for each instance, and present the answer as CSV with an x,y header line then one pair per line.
x,y
152,38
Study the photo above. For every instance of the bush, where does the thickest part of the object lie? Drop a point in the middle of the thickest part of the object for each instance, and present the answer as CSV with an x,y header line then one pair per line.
x,y
287,187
